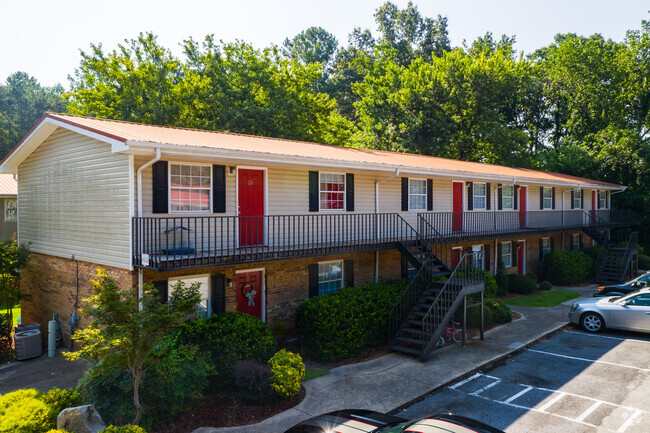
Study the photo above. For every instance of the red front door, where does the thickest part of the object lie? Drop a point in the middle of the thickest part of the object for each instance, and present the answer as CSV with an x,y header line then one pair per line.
x,y
249,293
251,207
455,257
521,257
457,207
522,206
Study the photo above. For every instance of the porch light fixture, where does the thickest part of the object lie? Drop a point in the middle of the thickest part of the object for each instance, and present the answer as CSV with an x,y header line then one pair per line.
x,y
231,170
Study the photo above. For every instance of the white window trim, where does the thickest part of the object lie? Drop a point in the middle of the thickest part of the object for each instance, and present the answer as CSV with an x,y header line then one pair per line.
x,y
503,207
576,195
604,206
550,207
326,262
425,193
509,255
481,249
345,191
545,251
7,200
169,188
575,237
185,278
474,196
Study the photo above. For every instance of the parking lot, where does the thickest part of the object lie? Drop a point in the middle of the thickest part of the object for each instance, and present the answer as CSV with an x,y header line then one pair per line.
x,y
572,382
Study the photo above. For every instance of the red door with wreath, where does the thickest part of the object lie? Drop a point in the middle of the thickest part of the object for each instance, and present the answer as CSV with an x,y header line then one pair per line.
x,y
249,293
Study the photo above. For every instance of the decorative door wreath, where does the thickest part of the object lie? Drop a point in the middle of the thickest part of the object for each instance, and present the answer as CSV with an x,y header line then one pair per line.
x,y
249,292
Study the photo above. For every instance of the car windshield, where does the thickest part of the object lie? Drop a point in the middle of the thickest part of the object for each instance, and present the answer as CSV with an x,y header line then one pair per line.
x,y
624,297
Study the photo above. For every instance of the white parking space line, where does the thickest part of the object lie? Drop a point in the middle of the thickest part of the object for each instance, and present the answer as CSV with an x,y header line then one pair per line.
x,y
469,379
595,361
588,412
607,337
629,421
519,394
486,387
551,402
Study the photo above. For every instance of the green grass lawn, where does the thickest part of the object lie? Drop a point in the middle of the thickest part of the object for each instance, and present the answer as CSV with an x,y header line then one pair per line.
x,y
544,299
16,314
311,374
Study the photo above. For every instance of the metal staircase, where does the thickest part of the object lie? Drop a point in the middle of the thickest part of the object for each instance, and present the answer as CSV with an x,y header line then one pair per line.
x,y
418,319
615,262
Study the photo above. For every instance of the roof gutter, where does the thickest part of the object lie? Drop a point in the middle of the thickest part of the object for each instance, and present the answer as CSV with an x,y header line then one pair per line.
x,y
140,170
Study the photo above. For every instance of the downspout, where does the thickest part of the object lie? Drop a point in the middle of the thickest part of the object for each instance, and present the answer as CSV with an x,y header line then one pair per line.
x,y
377,221
139,180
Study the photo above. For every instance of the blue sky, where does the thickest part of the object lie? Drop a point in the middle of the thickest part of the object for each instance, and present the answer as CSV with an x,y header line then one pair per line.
x,y
43,37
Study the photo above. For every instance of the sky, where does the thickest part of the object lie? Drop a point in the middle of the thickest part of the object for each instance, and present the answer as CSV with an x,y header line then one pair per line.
x,y
44,37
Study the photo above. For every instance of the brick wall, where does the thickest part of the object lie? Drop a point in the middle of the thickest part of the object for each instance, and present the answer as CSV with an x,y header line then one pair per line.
x,y
52,283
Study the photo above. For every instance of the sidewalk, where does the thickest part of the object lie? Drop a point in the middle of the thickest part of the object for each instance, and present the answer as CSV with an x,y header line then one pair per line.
x,y
392,381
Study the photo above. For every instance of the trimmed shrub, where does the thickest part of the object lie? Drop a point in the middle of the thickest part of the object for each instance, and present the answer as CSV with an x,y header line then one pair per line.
x,y
474,316
24,411
253,381
6,327
56,431
500,311
532,276
545,285
501,279
592,252
347,322
58,399
124,429
567,267
521,284
288,371
644,262
227,338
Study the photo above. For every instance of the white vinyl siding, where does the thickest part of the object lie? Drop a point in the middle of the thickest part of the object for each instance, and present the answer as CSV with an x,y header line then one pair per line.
x,y
73,199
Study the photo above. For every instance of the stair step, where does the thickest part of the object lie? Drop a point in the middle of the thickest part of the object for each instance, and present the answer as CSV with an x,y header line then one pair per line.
x,y
408,350
414,322
408,340
412,331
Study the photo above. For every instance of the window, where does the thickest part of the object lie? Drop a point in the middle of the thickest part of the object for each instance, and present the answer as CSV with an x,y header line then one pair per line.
x,y
642,300
575,242
546,247
506,254
330,277
508,197
332,191
204,290
11,210
478,256
411,270
576,199
548,198
602,199
417,194
190,188
479,196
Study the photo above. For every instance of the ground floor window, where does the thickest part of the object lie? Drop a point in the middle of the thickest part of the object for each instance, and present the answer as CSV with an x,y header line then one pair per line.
x,y
506,254
204,290
330,276
478,257
575,242
546,247
11,210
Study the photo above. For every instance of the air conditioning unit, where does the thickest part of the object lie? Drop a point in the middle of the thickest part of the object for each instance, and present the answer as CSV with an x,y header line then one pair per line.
x,y
28,344
27,327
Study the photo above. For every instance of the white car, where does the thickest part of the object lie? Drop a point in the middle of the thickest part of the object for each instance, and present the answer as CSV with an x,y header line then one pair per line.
x,y
630,312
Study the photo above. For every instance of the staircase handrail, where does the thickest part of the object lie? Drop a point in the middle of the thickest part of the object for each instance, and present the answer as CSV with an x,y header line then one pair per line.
x,y
443,240
602,256
450,293
599,220
631,244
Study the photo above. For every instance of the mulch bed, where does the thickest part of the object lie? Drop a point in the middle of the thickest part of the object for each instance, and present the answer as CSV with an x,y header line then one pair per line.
x,y
226,410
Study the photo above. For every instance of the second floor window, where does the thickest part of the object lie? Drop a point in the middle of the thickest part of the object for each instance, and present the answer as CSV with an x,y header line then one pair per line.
x,y
11,210
576,199
548,198
190,188
332,191
417,194
602,199
330,277
479,196
508,197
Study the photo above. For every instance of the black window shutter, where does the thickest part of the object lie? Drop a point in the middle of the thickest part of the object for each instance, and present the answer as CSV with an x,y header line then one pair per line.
x,y
499,197
218,295
429,194
580,241
541,250
348,270
598,199
488,196
515,191
161,287
349,192
541,197
405,194
405,268
160,189
607,200
486,257
218,188
582,199
514,250
552,244
313,192
553,195
499,253
470,195
313,280
573,194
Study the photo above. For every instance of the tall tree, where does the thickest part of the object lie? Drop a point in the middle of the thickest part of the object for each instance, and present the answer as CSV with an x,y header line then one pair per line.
x,y
22,102
314,45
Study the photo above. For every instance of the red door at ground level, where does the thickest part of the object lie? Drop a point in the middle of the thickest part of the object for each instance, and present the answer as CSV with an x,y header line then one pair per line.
x,y
455,257
522,206
249,293
250,187
521,257
457,207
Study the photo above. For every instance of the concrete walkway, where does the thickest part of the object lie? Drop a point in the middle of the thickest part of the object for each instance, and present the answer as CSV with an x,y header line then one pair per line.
x,y
393,381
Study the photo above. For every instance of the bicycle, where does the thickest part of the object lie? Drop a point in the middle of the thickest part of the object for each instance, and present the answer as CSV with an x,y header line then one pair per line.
x,y
452,332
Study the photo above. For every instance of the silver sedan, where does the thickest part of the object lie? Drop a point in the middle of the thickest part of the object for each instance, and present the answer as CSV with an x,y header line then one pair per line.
x,y
630,312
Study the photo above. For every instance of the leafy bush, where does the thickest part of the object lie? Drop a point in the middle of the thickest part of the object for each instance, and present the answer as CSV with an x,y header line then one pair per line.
x,y
175,381
491,286
345,323
501,279
124,429
253,381
6,328
521,284
532,276
644,262
288,371
58,399
567,267
474,316
592,252
24,411
545,285
227,338
500,311
56,431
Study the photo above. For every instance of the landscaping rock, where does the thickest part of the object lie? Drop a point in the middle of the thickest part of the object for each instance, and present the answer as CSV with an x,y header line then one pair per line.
x,y
80,419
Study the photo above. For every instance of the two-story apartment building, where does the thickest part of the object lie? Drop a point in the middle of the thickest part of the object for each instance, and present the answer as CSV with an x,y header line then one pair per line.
x,y
266,223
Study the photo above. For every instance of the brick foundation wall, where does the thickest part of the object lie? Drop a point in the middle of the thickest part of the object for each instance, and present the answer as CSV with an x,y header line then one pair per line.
x,y
52,283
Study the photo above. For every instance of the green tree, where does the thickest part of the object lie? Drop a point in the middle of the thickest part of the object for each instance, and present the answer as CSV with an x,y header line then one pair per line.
x,y
13,258
314,45
22,102
125,332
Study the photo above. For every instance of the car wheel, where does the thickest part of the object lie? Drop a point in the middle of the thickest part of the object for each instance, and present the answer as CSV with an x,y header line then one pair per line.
x,y
592,322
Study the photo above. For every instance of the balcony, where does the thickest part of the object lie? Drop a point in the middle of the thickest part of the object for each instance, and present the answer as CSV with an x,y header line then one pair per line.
x,y
187,242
